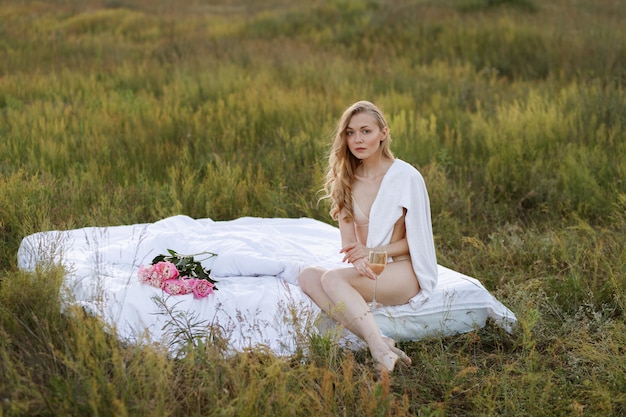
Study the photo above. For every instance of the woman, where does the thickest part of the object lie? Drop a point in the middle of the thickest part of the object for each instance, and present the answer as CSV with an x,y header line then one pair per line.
x,y
380,203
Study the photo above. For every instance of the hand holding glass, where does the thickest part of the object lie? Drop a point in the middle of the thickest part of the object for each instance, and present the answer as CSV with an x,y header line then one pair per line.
x,y
378,261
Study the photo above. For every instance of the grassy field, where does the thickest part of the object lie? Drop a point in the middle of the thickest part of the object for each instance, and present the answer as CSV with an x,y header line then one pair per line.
x,y
128,111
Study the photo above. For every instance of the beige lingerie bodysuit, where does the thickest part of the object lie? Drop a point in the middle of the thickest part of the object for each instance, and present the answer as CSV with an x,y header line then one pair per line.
x,y
361,226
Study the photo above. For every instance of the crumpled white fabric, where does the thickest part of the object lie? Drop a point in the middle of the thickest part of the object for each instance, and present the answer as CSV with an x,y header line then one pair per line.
x,y
258,301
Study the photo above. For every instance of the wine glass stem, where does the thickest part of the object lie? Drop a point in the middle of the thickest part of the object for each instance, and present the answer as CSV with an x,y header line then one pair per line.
x,y
375,285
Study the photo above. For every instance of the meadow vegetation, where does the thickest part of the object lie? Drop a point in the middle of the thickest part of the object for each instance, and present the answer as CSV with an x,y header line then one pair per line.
x,y
128,111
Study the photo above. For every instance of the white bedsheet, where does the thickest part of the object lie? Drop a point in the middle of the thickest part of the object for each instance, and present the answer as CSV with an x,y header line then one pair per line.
x,y
258,301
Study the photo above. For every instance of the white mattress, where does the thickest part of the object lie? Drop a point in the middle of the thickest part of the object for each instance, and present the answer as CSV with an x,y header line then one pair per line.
x,y
258,301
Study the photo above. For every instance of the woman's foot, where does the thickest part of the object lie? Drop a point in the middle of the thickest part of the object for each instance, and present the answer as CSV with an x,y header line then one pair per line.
x,y
403,357
386,362
385,358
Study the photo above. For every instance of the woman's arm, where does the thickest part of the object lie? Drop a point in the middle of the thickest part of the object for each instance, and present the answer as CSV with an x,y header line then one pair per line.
x,y
346,229
397,248
354,251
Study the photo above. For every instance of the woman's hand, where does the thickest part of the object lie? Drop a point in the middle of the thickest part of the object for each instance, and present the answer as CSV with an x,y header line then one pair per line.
x,y
357,254
362,266
353,252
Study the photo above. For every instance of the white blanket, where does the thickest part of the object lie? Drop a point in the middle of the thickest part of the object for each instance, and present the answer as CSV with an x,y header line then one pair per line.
x,y
258,301
403,188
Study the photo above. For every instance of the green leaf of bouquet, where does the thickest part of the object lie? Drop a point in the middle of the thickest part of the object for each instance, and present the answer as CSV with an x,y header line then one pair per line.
x,y
157,259
198,271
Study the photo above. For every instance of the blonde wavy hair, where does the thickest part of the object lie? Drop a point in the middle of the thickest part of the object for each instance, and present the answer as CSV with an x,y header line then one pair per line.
x,y
342,164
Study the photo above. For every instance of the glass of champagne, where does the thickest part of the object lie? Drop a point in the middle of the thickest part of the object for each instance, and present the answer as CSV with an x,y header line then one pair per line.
x,y
378,261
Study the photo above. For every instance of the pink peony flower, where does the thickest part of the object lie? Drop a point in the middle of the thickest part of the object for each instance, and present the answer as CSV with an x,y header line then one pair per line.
x,y
149,275
144,273
201,287
156,275
175,286
167,270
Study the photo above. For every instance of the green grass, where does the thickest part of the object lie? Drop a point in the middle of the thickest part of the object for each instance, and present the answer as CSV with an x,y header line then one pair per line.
x,y
128,111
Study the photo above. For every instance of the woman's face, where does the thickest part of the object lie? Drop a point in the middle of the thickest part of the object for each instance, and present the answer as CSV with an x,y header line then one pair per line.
x,y
363,135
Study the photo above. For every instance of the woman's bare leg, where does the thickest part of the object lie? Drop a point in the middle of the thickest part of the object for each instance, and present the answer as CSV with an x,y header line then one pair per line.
x,y
332,291
339,287
310,283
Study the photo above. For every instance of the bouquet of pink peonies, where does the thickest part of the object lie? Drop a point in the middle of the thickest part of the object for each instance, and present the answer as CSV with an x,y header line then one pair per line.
x,y
178,274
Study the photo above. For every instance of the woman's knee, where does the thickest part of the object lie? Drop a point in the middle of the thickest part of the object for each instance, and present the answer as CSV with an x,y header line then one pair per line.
x,y
308,278
330,279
